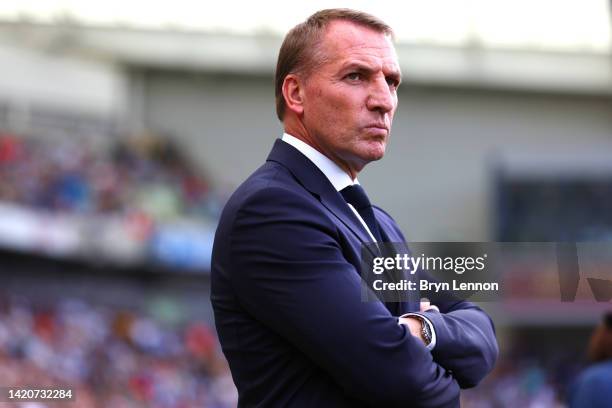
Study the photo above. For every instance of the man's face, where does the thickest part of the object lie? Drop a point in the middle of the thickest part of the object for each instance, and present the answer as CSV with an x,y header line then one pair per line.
x,y
349,99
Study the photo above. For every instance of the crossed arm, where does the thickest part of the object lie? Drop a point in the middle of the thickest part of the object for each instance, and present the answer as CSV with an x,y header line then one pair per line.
x,y
465,340
291,274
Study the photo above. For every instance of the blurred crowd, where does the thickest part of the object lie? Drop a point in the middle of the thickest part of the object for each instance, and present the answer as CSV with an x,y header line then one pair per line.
x,y
112,358
520,381
146,176
559,377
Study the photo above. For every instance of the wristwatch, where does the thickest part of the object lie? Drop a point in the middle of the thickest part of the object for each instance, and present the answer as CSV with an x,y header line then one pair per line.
x,y
425,329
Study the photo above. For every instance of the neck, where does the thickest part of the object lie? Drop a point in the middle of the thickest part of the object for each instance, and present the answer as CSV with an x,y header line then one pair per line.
x,y
298,131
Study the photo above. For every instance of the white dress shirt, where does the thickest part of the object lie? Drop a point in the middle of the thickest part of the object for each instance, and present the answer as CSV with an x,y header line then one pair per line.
x,y
340,179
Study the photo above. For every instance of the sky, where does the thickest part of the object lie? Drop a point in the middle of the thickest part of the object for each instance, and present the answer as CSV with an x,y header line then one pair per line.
x,y
563,25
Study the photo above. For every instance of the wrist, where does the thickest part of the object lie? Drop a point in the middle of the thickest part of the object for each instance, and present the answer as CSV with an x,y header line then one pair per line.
x,y
420,326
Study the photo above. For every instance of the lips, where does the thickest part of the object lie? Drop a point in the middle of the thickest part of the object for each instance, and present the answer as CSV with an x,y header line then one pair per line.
x,y
381,126
377,129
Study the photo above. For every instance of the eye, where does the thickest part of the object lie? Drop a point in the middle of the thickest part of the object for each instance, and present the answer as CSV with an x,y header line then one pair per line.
x,y
393,82
354,76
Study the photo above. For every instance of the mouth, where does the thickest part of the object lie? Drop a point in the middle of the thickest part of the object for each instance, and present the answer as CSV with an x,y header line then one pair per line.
x,y
377,129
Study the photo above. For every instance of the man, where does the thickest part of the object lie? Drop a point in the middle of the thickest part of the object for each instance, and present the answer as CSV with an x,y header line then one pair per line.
x,y
286,289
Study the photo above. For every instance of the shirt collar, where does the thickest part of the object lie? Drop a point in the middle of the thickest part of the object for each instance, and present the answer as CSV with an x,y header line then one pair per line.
x,y
338,177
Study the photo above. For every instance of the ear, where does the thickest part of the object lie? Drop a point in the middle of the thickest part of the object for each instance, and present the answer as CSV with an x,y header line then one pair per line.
x,y
293,92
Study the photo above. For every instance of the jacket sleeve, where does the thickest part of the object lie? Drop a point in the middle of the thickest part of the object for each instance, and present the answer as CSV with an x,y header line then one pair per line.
x,y
289,272
465,341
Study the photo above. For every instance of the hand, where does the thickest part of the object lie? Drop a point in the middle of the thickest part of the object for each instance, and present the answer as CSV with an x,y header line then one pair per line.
x,y
425,305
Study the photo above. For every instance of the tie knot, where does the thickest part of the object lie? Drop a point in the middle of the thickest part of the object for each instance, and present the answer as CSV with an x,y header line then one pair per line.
x,y
356,196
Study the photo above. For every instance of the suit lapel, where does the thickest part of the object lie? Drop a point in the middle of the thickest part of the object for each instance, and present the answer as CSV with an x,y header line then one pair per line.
x,y
313,180
309,176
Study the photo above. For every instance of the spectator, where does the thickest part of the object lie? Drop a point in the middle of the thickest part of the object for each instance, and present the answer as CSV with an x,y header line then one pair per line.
x,y
112,357
593,388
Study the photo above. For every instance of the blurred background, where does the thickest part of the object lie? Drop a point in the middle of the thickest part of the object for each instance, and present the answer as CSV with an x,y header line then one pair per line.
x,y
124,127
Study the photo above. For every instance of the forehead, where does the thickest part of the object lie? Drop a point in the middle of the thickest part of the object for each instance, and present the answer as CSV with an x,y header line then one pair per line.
x,y
345,40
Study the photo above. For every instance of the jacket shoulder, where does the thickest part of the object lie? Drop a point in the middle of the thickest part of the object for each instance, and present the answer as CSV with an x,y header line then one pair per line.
x,y
270,193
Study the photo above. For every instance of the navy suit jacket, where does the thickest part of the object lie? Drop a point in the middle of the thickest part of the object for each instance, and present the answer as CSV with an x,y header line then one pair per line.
x,y
287,299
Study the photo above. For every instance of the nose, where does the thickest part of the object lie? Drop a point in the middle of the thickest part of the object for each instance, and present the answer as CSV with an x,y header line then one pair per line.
x,y
380,97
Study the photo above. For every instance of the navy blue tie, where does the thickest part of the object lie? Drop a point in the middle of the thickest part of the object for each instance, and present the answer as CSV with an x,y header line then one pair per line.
x,y
356,196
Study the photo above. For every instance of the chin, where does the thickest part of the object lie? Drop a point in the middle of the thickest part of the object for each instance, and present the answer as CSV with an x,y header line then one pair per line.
x,y
377,151
371,157
376,158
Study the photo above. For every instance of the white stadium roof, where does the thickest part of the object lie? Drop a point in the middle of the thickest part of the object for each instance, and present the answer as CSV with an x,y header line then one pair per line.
x,y
568,25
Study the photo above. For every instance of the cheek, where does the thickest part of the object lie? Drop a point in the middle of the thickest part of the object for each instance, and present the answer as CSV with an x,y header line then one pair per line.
x,y
326,106
337,111
346,101
350,116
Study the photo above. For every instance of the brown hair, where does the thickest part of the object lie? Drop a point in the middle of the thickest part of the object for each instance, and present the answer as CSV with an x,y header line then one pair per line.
x,y
300,46
600,346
